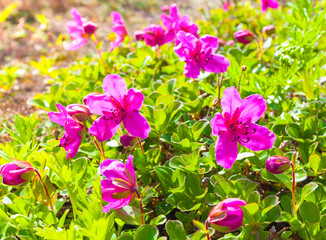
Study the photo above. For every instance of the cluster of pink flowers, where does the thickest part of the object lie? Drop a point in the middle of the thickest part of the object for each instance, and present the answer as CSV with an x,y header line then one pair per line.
x,y
265,4
118,105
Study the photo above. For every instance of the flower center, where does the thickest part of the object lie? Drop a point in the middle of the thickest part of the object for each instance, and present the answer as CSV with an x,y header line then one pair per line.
x,y
118,113
239,128
202,57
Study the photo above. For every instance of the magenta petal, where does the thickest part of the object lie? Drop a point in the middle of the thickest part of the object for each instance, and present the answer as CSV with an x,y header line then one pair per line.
x,y
136,124
72,128
253,107
59,117
75,44
134,100
130,168
167,21
226,151
217,63
234,201
218,124
192,70
104,129
72,147
262,139
98,103
111,169
209,42
231,100
115,86
187,39
77,16
119,203
182,52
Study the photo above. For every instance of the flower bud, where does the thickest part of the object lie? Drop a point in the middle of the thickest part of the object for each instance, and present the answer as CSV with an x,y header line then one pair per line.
x,y
139,35
165,8
128,140
79,111
244,36
89,27
269,30
15,173
221,42
229,43
277,164
227,215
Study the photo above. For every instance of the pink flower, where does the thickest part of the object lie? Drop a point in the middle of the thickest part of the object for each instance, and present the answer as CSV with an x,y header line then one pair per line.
x,y
155,35
176,23
16,172
79,31
200,54
269,30
115,106
277,164
236,125
71,139
120,188
268,4
227,216
119,28
244,36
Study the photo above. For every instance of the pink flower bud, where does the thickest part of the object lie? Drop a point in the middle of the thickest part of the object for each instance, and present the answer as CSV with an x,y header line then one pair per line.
x,y
165,8
227,215
17,172
79,112
244,36
128,140
221,42
277,164
89,27
269,30
139,35
230,43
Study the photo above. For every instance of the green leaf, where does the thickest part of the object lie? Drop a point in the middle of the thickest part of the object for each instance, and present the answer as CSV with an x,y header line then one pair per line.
x,y
293,131
175,230
159,220
146,232
306,190
309,212
309,127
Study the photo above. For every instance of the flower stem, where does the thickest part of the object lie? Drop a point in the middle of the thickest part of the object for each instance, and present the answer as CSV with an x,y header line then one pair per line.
x,y
293,184
243,68
219,84
46,190
100,53
207,232
103,150
141,208
141,147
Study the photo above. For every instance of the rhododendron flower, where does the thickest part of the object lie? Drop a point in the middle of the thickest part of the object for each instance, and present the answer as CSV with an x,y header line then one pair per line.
x,y
227,216
236,125
176,23
119,28
155,35
120,188
277,164
200,54
17,172
115,106
244,36
79,30
71,139
268,4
